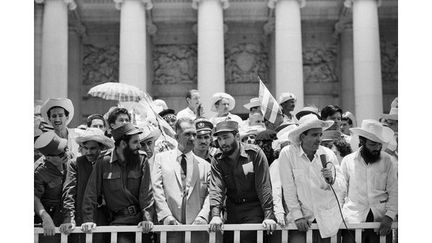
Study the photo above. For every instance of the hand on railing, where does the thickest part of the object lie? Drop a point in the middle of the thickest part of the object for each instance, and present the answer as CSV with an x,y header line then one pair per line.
x,y
199,220
269,225
147,226
47,224
385,226
67,228
280,219
302,224
215,224
170,220
88,227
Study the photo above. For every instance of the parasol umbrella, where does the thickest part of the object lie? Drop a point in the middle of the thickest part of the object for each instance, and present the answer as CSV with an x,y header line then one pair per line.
x,y
117,91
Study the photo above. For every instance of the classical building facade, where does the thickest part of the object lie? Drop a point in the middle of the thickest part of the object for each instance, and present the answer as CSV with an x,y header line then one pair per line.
x,y
342,52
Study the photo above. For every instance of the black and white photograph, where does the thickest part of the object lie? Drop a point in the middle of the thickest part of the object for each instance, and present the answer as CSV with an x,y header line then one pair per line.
x,y
220,121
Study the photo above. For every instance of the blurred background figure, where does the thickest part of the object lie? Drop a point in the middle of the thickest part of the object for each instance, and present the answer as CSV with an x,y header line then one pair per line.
x,y
169,116
348,121
332,113
222,104
287,101
194,108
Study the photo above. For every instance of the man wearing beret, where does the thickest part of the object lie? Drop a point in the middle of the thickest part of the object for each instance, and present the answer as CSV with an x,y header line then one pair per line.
x,y
92,142
48,182
241,173
122,178
204,139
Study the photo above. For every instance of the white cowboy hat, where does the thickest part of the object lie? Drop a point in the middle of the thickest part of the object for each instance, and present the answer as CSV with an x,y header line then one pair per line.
x,y
285,97
305,123
282,135
94,134
218,96
254,102
393,114
307,110
373,130
65,103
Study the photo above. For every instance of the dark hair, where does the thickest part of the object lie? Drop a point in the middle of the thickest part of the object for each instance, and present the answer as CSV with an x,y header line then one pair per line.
x,y
177,126
49,111
189,93
329,111
125,138
95,117
115,113
344,118
343,147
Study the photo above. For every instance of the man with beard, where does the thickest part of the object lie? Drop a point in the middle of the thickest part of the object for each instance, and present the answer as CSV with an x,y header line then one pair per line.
x,y
203,140
48,181
306,182
241,173
122,178
180,184
371,177
92,142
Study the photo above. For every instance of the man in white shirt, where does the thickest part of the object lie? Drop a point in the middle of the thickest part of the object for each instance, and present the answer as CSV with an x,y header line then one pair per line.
x,y
306,184
194,106
287,102
371,178
180,184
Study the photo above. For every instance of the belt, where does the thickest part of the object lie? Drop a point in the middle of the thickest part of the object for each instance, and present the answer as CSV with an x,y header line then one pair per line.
x,y
244,200
131,210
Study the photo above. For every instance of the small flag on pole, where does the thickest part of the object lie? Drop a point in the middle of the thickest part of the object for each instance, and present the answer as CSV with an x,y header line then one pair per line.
x,y
269,106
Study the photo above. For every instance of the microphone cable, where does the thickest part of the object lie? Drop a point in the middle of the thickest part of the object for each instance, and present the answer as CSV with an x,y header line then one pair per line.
x,y
337,200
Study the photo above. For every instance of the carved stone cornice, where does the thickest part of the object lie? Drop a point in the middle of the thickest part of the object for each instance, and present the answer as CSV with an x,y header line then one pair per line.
x,y
272,3
70,3
225,4
148,4
349,3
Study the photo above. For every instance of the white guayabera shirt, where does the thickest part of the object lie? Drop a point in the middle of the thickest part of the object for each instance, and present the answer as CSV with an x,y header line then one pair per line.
x,y
305,191
370,187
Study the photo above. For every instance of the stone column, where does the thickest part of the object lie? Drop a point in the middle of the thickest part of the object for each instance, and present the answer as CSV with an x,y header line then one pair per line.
x,y
38,17
289,61
367,60
133,42
346,64
54,69
211,59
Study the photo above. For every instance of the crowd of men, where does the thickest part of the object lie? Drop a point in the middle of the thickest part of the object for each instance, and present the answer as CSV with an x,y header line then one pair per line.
x,y
217,170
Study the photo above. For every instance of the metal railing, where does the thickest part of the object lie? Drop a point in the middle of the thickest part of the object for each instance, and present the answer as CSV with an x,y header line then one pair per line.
x,y
187,229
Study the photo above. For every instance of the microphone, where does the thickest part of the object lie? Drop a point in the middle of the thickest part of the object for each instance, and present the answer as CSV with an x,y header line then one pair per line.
x,y
324,163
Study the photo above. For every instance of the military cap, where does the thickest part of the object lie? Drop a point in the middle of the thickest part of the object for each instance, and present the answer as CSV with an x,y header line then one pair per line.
x,y
203,126
226,126
50,144
125,129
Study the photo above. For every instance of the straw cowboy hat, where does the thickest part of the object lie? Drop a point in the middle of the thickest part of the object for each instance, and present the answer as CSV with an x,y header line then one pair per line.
x,y
307,110
64,103
282,135
373,130
218,96
305,123
393,114
94,134
254,102
50,144
148,132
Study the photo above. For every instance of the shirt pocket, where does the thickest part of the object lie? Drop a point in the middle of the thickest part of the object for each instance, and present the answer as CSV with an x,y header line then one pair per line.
x,y
112,180
56,182
134,180
380,181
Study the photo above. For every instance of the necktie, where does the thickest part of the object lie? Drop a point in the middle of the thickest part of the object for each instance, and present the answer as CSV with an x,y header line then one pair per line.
x,y
183,163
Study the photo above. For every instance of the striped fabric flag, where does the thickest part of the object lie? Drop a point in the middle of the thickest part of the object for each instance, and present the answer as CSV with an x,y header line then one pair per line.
x,y
269,106
164,127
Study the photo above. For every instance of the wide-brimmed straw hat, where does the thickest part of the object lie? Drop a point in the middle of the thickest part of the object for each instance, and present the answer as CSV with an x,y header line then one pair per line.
x,y
50,144
307,110
94,134
221,95
285,97
373,130
65,103
282,135
254,102
305,123
148,132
